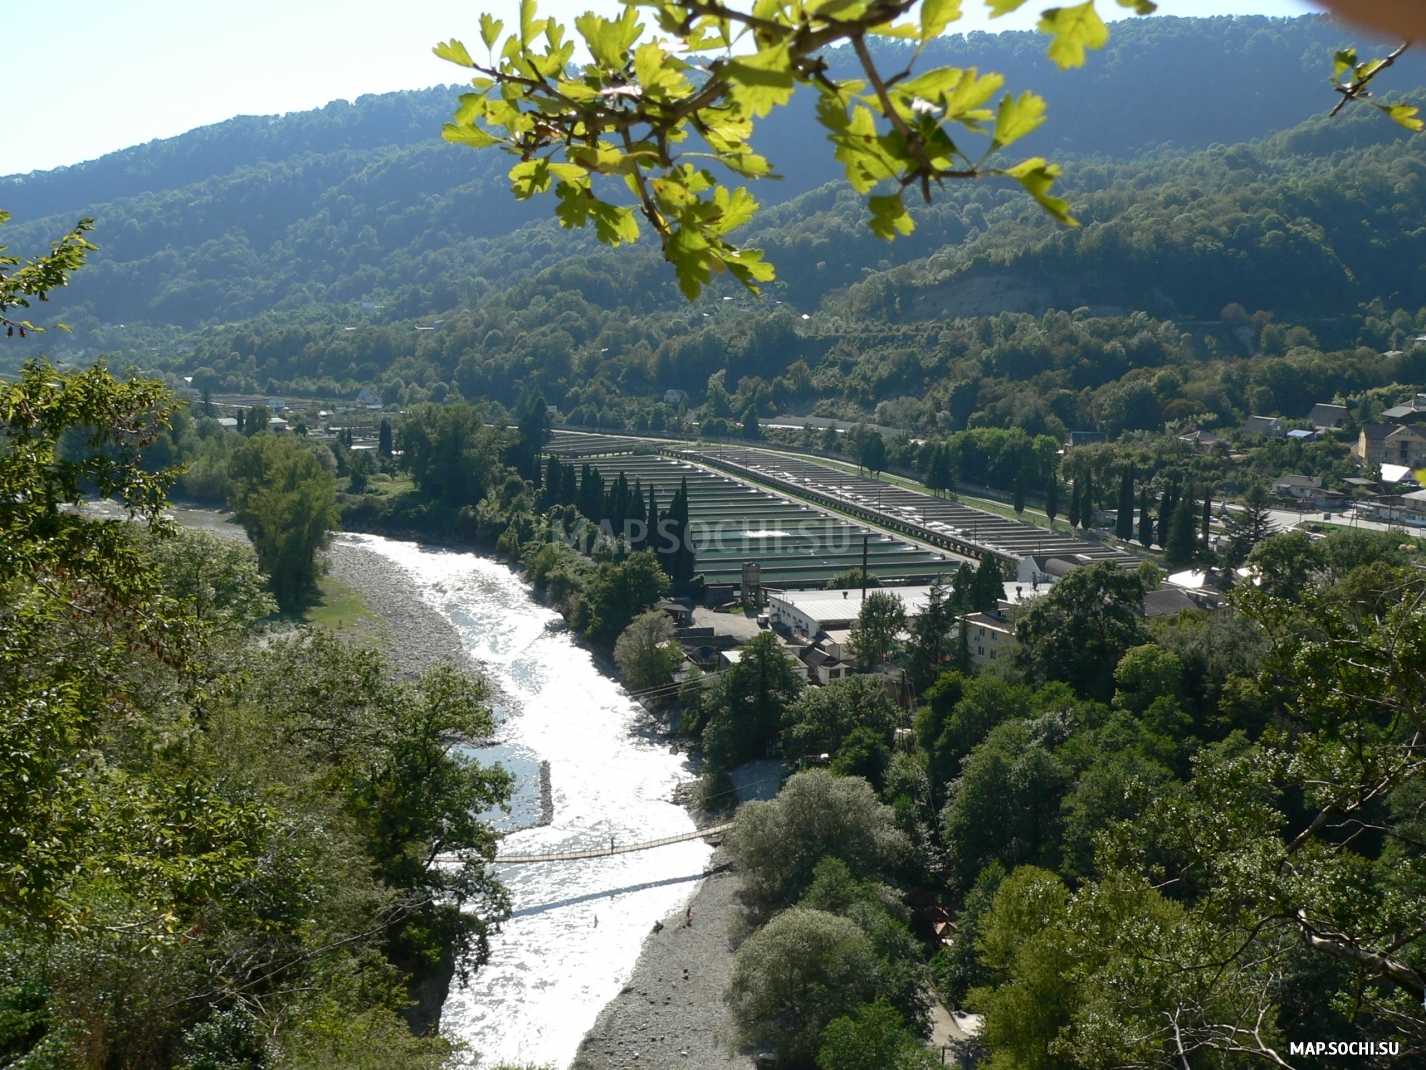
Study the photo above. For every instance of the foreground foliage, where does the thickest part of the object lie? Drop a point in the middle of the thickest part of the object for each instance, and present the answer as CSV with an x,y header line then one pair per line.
x,y
219,844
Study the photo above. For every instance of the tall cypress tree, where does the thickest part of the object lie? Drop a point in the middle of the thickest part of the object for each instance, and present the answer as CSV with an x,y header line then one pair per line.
x,y
1052,497
634,517
1178,551
616,501
554,480
1073,515
1086,503
1166,509
686,565
569,481
652,540
962,584
1124,522
1207,531
1019,499
591,493
989,586
1146,518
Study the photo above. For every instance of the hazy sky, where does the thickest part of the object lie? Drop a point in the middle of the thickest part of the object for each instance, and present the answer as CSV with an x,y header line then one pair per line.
x,y
85,77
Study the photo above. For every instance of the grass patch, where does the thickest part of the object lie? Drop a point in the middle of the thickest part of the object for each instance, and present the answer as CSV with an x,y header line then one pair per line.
x,y
340,608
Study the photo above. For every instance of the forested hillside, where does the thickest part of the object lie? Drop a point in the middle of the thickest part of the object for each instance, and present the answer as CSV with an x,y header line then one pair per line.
x,y
311,213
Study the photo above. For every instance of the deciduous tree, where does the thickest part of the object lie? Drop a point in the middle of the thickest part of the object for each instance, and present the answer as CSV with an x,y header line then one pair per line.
x,y
287,503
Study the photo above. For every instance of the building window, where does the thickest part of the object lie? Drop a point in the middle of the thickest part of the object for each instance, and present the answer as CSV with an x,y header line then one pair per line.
x,y
982,650
992,655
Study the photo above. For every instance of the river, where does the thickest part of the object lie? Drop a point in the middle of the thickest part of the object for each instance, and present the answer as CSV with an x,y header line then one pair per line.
x,y
577,926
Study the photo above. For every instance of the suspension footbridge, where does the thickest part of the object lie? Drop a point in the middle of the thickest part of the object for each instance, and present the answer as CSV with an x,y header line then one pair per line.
x,y
614,848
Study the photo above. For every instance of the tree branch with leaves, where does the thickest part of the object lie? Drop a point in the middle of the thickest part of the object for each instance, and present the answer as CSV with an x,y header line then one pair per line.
x,y
653,112
38,276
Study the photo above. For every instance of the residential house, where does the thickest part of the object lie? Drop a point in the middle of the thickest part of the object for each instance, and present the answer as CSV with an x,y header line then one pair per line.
x,y
1303,488
1268,426
1397,509
1390,444
1302,435
674,397
1203,441
825,658
989,636
368,398
1412,412
1326,417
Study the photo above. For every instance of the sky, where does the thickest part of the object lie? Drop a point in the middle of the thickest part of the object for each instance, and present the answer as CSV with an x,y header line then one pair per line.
x,y
86,77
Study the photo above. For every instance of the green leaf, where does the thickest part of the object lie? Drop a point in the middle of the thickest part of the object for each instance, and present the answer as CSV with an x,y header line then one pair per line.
x,y
762,81
1003,7
936,15
1074,29
470,135
1017,117
1404,114
1141,7
1037,177
965,103
735,208
609,39
903,30
529,178
490,28
529,28
889,217
454,52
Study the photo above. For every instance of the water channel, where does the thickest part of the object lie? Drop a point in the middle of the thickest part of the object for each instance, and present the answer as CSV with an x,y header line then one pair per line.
x,y
577,926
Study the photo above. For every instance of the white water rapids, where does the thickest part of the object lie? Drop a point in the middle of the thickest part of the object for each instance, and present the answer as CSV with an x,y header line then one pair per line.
x,y
577,926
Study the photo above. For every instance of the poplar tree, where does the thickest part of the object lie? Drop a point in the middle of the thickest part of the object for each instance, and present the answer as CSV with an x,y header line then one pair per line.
x,y
1052,498
1073,515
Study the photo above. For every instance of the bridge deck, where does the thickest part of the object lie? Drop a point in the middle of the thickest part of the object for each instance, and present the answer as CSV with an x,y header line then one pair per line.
x,y
616,849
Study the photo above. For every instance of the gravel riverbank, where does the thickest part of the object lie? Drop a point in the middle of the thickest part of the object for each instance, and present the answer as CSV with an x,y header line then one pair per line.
x,y
671,1013
416,636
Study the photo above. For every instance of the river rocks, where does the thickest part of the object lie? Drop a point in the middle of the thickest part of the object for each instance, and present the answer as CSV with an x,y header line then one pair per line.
x,y
417,636
671,1013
